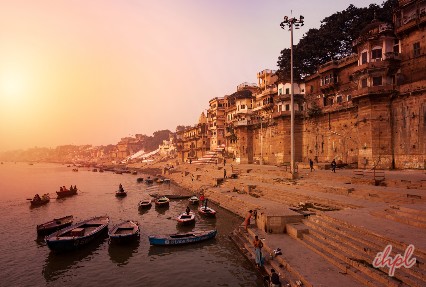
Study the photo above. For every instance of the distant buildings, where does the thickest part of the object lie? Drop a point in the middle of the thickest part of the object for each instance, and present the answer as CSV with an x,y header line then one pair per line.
x,y
368,109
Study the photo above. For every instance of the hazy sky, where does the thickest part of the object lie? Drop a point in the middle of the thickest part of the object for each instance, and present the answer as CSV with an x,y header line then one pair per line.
x,y
94,71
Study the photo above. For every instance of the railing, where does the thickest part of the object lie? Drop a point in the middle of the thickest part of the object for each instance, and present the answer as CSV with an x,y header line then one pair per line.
x,y
373,90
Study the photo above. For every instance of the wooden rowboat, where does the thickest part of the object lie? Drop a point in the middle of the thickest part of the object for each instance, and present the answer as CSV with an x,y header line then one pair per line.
x,y
182,238
124,232
66,193
44,199
207,211
77,235
162,201
54,225
186,218
145,204
194,200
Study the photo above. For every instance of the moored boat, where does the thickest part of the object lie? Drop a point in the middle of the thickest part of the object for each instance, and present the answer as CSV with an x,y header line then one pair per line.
x,y
194,200
78,234
182,238
38,201
124,232
186,218
147,203
207,211
162,201
54,225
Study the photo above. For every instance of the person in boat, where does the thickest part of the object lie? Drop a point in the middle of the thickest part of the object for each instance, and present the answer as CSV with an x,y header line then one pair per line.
x,y
61,189
258,251
64,188
37,197
75,187
187,210
71,188
120,188
205,204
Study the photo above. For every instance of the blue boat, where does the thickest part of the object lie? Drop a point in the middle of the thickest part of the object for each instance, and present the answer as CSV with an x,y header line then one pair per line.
x,y
124,232
77,235
182,238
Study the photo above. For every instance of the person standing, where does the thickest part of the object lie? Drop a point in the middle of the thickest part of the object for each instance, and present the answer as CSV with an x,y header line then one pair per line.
x,y
258,251
333,166
247,219
187,210
311,164
224,161
224,173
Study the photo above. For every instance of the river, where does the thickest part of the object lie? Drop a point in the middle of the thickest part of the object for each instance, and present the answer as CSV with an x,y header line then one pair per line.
x,y
27,261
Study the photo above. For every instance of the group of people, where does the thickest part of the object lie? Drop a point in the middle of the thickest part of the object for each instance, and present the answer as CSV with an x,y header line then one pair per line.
x,y
72,188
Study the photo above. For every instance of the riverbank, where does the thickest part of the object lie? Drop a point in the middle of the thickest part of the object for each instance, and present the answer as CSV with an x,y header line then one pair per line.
x,y
389,211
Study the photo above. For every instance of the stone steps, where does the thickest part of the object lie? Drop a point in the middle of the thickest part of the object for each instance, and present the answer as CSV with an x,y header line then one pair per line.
x,y
363,246
347,248
243,240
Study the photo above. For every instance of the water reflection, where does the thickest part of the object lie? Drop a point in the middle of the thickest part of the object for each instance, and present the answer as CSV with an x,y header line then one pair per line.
x,y
121,253
56,264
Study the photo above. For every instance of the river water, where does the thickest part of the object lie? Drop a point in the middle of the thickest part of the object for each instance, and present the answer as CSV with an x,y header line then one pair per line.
x,y
26,260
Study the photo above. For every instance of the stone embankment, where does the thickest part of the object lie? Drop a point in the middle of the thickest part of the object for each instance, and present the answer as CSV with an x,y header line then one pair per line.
x,y
348,217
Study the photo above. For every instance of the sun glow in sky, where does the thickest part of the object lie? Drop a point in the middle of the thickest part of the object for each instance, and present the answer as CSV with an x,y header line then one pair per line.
x,y
91,72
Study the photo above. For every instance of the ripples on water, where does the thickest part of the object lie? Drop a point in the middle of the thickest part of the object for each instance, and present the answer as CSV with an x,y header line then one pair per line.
x,y
27,261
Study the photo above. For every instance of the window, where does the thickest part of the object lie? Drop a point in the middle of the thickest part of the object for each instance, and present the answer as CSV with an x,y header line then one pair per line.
x,y
280,91
349,98
396,46
287,91
377,81
416,49
339,99
363,58
287,107
312,89
364,83
376,54
243,107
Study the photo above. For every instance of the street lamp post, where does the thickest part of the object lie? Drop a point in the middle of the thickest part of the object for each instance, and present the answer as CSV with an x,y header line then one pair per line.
x,y
261,141
290,22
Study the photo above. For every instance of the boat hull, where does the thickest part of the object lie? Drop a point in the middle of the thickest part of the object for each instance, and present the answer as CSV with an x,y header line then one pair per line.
x,y
65,240
124,232
208,212
54,225
67,193
186,219
181,239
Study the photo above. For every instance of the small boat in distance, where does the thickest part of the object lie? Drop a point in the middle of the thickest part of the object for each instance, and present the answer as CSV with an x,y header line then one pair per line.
x,y
120,192
207,211
63,192
54,225
162,201
186,218
39,201
77,235
139,179
182,238
125,231
147,203
194,200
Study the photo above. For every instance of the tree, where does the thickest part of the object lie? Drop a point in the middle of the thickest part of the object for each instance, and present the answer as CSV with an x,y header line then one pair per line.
x,y
333,40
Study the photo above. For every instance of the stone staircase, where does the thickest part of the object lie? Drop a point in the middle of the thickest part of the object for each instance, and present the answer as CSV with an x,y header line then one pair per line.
x,y
352,249
409,216
210,157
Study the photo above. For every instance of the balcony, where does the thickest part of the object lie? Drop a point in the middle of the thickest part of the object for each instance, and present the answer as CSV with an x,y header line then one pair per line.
x,y
281,114
376,90
378,64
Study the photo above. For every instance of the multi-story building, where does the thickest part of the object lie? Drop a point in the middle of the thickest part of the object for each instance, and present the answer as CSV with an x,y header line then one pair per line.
x,y
193,142
216,122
